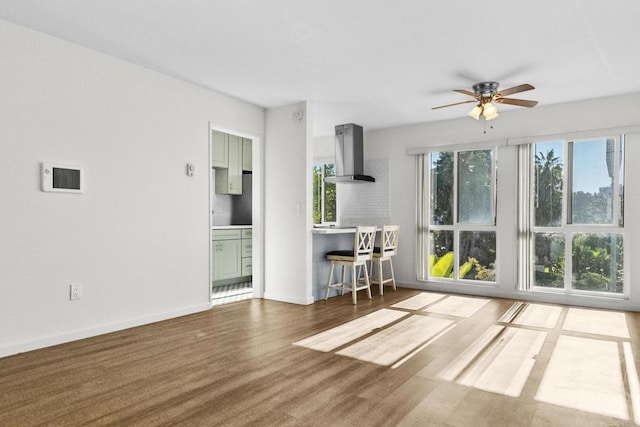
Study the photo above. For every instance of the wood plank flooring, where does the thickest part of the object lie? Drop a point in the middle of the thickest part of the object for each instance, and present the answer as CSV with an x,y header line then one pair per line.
x,y
237,364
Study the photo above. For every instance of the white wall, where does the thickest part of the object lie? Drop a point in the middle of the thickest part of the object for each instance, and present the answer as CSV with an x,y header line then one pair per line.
x,y
393,143
138,238
324,149
288,203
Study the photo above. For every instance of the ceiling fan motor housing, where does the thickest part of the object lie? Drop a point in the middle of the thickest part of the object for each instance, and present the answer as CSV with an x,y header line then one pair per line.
x,y
486,89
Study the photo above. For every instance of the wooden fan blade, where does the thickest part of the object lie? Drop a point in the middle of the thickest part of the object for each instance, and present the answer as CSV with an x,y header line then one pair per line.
x,y
518,102
515,89
457,103
466,92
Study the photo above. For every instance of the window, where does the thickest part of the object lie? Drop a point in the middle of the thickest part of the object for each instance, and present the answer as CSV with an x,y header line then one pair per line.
x,y
324,194
576,234
460,194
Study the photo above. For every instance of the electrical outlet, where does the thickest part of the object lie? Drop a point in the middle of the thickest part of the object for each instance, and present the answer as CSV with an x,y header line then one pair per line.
x,y
75,291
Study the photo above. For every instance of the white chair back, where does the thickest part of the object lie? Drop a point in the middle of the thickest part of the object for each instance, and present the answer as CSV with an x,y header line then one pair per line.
x,y
389,236
363,244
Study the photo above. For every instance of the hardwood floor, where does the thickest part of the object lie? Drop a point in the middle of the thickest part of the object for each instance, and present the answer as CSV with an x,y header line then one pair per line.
x,y
237,364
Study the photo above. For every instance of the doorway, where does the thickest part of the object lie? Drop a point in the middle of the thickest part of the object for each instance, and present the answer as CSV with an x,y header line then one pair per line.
x,y
235,200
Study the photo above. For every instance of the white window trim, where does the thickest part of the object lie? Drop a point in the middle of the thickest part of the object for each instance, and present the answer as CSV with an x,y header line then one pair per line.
x,y
526,227
424,212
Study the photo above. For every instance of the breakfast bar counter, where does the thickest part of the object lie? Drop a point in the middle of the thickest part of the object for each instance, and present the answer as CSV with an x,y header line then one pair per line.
x,y
327,239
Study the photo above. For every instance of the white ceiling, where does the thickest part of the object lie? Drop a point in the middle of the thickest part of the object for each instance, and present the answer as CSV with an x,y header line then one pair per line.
x,y
377,63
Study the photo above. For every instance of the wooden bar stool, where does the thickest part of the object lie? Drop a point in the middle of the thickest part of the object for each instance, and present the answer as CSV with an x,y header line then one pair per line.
x,y
357,257
388,248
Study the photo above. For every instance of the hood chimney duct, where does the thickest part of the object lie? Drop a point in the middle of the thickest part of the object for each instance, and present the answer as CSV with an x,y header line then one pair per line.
x,y
349,155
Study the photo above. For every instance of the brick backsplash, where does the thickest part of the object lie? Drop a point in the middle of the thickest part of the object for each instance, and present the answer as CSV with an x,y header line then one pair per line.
x,y
368,200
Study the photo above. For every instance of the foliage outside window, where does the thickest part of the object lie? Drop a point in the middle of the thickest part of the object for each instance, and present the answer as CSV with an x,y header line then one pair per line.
x,y
461,213
324,194
577,215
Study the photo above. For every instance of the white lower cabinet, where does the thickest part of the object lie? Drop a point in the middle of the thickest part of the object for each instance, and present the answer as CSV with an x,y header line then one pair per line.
x,y
226,264
247,252
231,253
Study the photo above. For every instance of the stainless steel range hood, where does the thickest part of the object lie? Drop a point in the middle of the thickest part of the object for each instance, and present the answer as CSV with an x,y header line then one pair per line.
x,y
349,156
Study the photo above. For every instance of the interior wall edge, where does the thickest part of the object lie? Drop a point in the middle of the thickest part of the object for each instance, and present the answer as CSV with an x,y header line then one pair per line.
x,y
288,299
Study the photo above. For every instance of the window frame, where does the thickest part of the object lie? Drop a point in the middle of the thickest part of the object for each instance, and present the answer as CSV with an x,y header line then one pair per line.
x,y
567,228
323,216
456,227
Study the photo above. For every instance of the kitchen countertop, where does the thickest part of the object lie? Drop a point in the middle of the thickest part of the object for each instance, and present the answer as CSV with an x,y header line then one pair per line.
x,y
333,230
230,227
337,229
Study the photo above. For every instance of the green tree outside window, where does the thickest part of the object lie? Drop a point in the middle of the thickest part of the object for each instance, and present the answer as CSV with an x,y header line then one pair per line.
x,y
324,194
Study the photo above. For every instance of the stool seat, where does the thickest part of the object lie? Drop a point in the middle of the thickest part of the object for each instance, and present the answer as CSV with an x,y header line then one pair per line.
x,y
376,251
355,258
344,253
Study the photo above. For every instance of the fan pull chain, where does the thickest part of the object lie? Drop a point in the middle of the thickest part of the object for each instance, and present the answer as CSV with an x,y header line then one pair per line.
x,y
485,126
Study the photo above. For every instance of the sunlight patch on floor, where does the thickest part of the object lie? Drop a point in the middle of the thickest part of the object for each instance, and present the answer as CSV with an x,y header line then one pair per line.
x,y
599,322
466,358
585,374
340,335
505,367
419,301
392,344
632,378
499,361
458,306
538,315
597,376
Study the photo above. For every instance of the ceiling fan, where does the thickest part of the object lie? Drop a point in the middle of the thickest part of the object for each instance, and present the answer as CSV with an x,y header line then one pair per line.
x,y
486,93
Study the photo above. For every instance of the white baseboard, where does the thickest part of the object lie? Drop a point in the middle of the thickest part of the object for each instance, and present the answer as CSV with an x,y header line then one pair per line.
x,y
29,345
285,298
593,301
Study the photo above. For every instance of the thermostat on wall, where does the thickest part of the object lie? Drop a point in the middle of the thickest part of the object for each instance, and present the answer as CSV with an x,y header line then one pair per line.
x,y
60,178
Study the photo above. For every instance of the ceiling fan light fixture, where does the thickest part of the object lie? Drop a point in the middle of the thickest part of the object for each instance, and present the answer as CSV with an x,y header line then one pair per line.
x,y
489,111
486,93
491,116
475,112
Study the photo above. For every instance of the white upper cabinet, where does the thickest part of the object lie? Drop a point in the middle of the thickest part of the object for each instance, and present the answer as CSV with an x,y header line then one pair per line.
x,y
219,149
247,153
229,180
